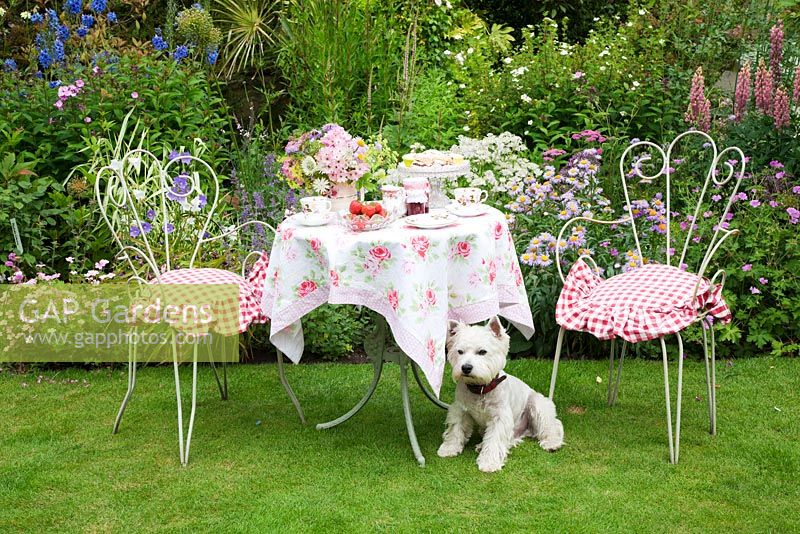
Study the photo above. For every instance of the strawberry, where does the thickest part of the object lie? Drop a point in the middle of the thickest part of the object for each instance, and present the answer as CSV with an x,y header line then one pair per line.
x,y
368,210
378,209
356,207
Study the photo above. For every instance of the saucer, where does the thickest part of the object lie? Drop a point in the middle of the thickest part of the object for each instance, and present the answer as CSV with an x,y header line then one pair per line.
x,y
473,210
313,219
431,220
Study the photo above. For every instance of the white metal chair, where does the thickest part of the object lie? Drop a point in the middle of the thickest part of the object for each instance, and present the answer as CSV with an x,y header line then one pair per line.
x,y
144,208
694,305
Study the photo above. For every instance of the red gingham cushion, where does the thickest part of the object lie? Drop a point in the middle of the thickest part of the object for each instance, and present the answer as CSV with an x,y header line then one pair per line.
x,y
645,303
232,316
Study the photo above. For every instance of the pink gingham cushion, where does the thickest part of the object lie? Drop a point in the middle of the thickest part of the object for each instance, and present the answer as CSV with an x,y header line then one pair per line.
x,y
235,315
645,303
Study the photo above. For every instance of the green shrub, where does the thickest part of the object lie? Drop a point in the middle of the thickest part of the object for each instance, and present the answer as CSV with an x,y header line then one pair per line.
x,y
334,331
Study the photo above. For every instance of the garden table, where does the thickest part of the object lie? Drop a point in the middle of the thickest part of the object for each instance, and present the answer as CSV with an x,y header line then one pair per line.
x,y
414,280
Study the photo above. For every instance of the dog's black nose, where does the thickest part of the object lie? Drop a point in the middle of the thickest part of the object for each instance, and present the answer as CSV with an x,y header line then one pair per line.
x,y
466,368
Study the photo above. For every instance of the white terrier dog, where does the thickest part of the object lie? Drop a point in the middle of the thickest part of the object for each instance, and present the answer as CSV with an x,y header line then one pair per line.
x,y
504,406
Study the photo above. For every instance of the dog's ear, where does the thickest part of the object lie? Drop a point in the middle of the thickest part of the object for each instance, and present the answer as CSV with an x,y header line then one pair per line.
x,y
453,327
495,327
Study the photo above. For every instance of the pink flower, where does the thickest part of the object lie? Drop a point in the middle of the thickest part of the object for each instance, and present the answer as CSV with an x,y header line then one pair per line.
x,y
380,253
747,266
699,111
420,245
578,75
306,287
59,104
498,231
87,120
796,88
431,350
463,249
79,83
716,198
315,244
393,299
134,95
742,93
780,110
764,89
755,290
773,204
287,234
430,297
334,278
776,49
755,203
492,271
794,215
763,281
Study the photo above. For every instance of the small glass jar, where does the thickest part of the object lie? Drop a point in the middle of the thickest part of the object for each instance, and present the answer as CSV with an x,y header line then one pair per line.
x,y
416,203
393,200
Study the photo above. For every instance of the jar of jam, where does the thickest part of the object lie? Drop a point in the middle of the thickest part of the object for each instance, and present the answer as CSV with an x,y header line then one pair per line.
x,y
417,203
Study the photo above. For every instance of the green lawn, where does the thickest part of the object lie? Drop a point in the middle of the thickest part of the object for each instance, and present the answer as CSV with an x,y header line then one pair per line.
x,y
254,468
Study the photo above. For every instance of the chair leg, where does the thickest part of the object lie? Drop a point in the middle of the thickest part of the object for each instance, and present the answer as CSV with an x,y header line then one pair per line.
x,y
194,406
666,396
613,382
178,396
615,393
289,390
559,342
221,385
709,385
131,386
713,396
674,446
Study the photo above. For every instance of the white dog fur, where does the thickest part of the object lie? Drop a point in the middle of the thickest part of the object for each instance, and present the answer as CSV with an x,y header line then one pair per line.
x,y
506,414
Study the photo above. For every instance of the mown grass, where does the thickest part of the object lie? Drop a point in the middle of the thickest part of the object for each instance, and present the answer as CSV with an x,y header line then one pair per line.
x,y
254,468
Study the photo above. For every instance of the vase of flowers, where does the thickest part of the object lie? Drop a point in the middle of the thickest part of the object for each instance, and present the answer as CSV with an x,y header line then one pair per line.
x,y
333,163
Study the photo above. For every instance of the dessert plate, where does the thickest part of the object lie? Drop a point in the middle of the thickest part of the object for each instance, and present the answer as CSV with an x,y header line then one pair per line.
x,y
473,210
431,220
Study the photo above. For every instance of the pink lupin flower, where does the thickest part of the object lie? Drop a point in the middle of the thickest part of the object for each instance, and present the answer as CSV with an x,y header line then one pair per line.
x,y
780,111
776,50
742,94
699,110
764,89
796,91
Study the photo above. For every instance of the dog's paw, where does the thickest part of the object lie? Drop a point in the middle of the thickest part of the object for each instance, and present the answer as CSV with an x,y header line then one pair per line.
x,y
551,444
489,465
448,450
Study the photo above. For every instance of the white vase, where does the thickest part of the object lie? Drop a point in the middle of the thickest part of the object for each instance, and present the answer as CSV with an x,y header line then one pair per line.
x,y
342,196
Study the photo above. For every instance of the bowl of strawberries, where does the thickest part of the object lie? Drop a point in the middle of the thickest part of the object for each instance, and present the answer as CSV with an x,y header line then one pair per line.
x,y
365,216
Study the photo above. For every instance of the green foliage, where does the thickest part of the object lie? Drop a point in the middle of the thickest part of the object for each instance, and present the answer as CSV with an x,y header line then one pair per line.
x,y
195,25
248,30
334,331
341,64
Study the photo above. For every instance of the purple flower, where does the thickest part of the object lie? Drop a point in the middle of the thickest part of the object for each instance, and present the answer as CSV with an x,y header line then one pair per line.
x,y
12,256
151,214
755,203
794,215
182,157
747,266
775,164
9,264
135,231
780,175
613,252
742,195
763,281
796,190
258,200
773,204
755,290
716,198
169,228
146,227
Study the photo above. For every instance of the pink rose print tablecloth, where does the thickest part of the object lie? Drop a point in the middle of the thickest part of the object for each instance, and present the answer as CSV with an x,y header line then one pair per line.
x,y
417,279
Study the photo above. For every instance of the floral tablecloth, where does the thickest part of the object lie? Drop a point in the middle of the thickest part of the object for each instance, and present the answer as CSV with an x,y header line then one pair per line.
x,y
417,279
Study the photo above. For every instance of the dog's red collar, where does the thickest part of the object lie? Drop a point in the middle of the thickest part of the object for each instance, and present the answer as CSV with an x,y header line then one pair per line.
x,y
483,389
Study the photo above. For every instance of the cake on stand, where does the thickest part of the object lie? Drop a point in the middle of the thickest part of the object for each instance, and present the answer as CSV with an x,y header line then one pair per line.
x,y
437,167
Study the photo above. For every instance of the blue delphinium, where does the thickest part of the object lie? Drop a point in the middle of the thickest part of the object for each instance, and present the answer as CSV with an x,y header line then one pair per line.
x,y
55,83
98,6
36,18
58,50
62,32
212,56
45,60
73,7
181,52
82,31
158,42
111,17
9,65
87,21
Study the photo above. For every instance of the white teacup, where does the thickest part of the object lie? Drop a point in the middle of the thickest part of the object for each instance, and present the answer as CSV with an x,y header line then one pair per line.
x,y
470,196
316,205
